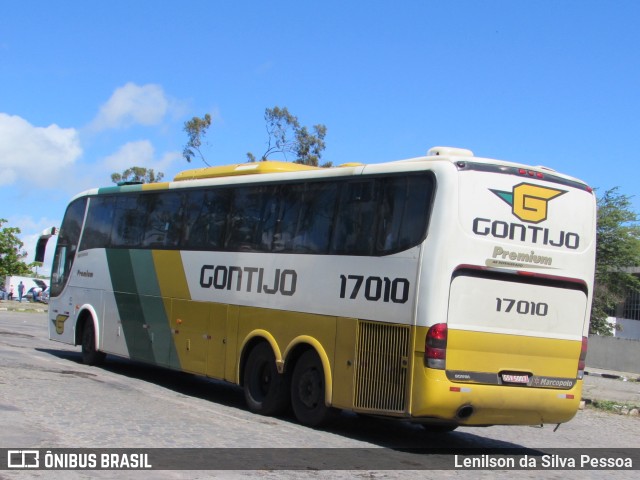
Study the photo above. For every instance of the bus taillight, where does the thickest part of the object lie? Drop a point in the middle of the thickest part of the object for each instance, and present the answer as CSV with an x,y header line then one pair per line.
x,y
582,359
435,352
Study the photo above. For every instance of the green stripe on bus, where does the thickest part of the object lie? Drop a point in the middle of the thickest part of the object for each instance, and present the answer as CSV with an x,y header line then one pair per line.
x,y
130,309
153,308
122,189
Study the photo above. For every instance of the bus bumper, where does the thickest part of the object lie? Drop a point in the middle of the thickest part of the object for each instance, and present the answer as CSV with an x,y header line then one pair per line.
x,y
436,398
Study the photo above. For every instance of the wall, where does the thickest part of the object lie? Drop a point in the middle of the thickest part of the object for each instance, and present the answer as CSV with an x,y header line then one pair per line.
x,y
28,282
625,328
612,353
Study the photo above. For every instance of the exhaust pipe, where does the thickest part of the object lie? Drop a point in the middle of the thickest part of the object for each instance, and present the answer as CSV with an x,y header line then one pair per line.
x,y
465,412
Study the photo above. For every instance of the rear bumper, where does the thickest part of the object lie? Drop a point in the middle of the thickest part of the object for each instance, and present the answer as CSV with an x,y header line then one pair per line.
x,y
435,397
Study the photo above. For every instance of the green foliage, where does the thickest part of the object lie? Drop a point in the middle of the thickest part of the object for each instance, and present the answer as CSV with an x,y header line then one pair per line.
x,y
281,125
287,137
196,129
309,146
613,406
617,249
11,253
137,174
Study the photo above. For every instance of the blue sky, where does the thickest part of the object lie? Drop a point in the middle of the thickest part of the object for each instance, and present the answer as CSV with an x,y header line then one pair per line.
x,y
91,88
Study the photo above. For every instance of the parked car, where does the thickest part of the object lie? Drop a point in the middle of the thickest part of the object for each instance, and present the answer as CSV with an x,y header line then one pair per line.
x,y
44,298
35,294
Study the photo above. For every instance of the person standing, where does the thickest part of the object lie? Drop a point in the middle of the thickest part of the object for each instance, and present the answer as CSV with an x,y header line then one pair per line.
x,y
20,291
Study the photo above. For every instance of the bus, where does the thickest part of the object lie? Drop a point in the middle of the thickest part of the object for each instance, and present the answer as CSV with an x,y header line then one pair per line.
x,y
446,290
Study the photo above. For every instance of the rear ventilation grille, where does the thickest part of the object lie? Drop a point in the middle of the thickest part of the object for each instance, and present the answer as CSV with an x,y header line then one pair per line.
x,y
382,359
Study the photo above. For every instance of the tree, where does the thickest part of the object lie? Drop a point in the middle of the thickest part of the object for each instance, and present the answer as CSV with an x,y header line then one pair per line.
x,y
288,137
617,249
11,253
196,129
137,174
309,147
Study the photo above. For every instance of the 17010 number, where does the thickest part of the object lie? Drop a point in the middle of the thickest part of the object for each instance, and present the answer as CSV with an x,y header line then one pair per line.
x,y
523,307
394,290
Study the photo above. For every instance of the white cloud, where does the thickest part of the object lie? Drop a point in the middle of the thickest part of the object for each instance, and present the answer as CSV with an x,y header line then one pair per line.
x,y
35,154
132,154
166,162
139,154
132,105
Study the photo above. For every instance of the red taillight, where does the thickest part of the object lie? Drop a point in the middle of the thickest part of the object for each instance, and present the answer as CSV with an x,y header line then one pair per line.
x,y
583,357
435,350
531,173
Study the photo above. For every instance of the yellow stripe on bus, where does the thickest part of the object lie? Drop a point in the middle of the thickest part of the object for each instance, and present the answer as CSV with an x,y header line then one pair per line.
x,y
170,273
493,352
175,292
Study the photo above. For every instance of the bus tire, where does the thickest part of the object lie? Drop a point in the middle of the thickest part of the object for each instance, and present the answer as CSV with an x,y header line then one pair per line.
x,y
90,355
308,391
265,390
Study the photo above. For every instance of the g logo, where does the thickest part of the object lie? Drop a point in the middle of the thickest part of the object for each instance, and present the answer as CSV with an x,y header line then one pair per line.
x,y
529,202
59,323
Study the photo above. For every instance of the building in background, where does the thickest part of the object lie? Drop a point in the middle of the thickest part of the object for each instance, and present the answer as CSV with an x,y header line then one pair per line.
x,y
626,319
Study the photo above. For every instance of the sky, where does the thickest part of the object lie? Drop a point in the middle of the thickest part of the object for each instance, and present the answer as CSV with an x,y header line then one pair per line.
x,y
92,88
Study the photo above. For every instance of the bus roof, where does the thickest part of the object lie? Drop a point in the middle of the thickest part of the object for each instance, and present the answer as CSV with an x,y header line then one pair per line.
x,y
241,169
462,159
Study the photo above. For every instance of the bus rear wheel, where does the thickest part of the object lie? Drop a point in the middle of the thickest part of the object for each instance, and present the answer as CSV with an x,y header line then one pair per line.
x,y
308,391
90,355
265,390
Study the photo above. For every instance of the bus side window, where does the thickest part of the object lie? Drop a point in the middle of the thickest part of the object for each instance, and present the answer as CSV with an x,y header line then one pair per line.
x,y
60,270
417,210
250,211
403,213
269,238
355,223
391,215
313,233
288,217
129,221
164,222
97,230
205,219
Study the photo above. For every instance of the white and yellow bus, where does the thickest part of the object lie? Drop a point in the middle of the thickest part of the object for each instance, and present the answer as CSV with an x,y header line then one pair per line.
x,y
445,290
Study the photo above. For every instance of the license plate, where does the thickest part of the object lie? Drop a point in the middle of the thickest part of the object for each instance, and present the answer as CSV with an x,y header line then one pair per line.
x,y
515,378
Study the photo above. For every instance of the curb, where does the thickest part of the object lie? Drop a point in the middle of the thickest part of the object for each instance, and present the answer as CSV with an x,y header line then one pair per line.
x,y
603,375
619,408
23,309
612,376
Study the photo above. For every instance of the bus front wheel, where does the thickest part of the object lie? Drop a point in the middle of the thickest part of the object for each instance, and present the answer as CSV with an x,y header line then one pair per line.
x,y
90,355
308,391
265,390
